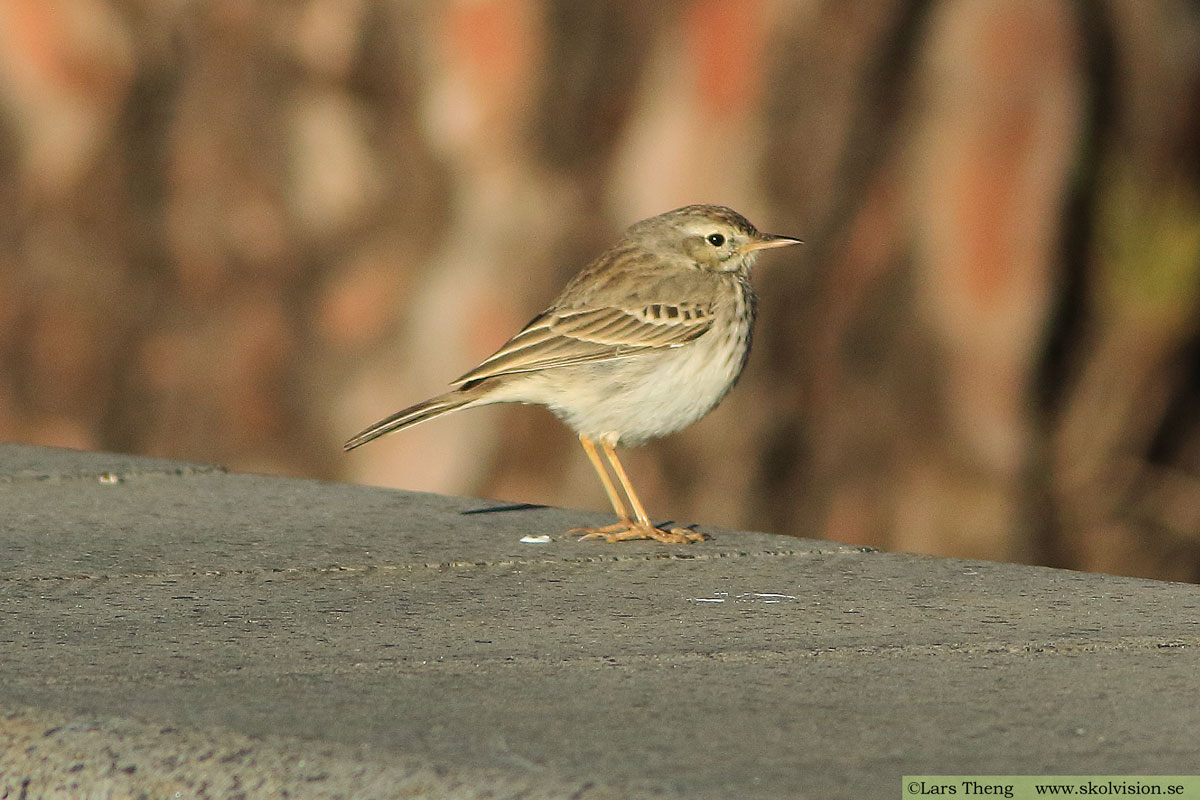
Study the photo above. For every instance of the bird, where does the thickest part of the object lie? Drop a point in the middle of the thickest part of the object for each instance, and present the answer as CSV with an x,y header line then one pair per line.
x,y
645,340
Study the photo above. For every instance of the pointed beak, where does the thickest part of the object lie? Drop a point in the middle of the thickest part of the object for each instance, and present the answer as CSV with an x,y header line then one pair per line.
x,y
768,240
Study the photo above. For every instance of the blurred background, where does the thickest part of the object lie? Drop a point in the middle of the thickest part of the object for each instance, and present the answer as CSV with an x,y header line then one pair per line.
x,y
238,232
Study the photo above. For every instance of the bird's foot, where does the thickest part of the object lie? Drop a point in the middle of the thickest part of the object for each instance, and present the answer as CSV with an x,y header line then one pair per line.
x,y
626,531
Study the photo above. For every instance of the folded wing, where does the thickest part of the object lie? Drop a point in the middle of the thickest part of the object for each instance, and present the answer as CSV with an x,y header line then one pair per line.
x,y
566,337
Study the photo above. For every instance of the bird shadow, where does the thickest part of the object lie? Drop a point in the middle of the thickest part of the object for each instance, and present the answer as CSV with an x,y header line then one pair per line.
x,y
502,508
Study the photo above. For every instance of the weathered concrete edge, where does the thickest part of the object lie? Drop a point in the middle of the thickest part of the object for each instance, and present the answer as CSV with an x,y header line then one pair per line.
x,y
388,569
21,463
48,754
38,476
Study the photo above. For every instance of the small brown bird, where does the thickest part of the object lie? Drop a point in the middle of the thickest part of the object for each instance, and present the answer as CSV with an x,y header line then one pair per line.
x,y
643,342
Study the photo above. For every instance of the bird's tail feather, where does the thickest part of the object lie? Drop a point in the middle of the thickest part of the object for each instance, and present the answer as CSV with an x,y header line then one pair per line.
x,y
434,407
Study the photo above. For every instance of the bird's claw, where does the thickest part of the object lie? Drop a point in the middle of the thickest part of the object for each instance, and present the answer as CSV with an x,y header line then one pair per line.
x,y
630,531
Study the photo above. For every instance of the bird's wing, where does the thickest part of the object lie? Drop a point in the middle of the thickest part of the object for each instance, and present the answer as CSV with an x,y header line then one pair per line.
x,y
565,337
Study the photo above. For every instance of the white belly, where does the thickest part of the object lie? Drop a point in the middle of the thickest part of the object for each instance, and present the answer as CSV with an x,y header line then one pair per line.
x,y
645,396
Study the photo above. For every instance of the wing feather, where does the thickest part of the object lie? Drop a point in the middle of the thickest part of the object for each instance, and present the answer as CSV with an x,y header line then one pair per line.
x,y
566,337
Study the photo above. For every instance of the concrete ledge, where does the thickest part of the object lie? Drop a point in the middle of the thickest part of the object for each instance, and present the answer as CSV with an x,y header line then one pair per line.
x,y
167,628
47,754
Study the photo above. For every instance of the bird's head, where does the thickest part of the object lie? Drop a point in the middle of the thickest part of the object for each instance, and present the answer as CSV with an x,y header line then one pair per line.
x,y
711,237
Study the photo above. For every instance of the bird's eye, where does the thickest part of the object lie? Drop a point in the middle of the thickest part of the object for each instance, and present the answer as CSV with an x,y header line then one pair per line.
x,y
715,239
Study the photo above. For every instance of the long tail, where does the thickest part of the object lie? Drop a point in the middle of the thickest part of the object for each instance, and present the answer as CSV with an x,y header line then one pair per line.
x,y
434,407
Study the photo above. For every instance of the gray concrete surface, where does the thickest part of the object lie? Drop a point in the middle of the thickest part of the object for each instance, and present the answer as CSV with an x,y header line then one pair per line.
x,y
170,628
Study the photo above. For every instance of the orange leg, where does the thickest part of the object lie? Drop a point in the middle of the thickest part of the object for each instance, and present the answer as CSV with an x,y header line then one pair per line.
x,y
639,511
640,527
589,447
